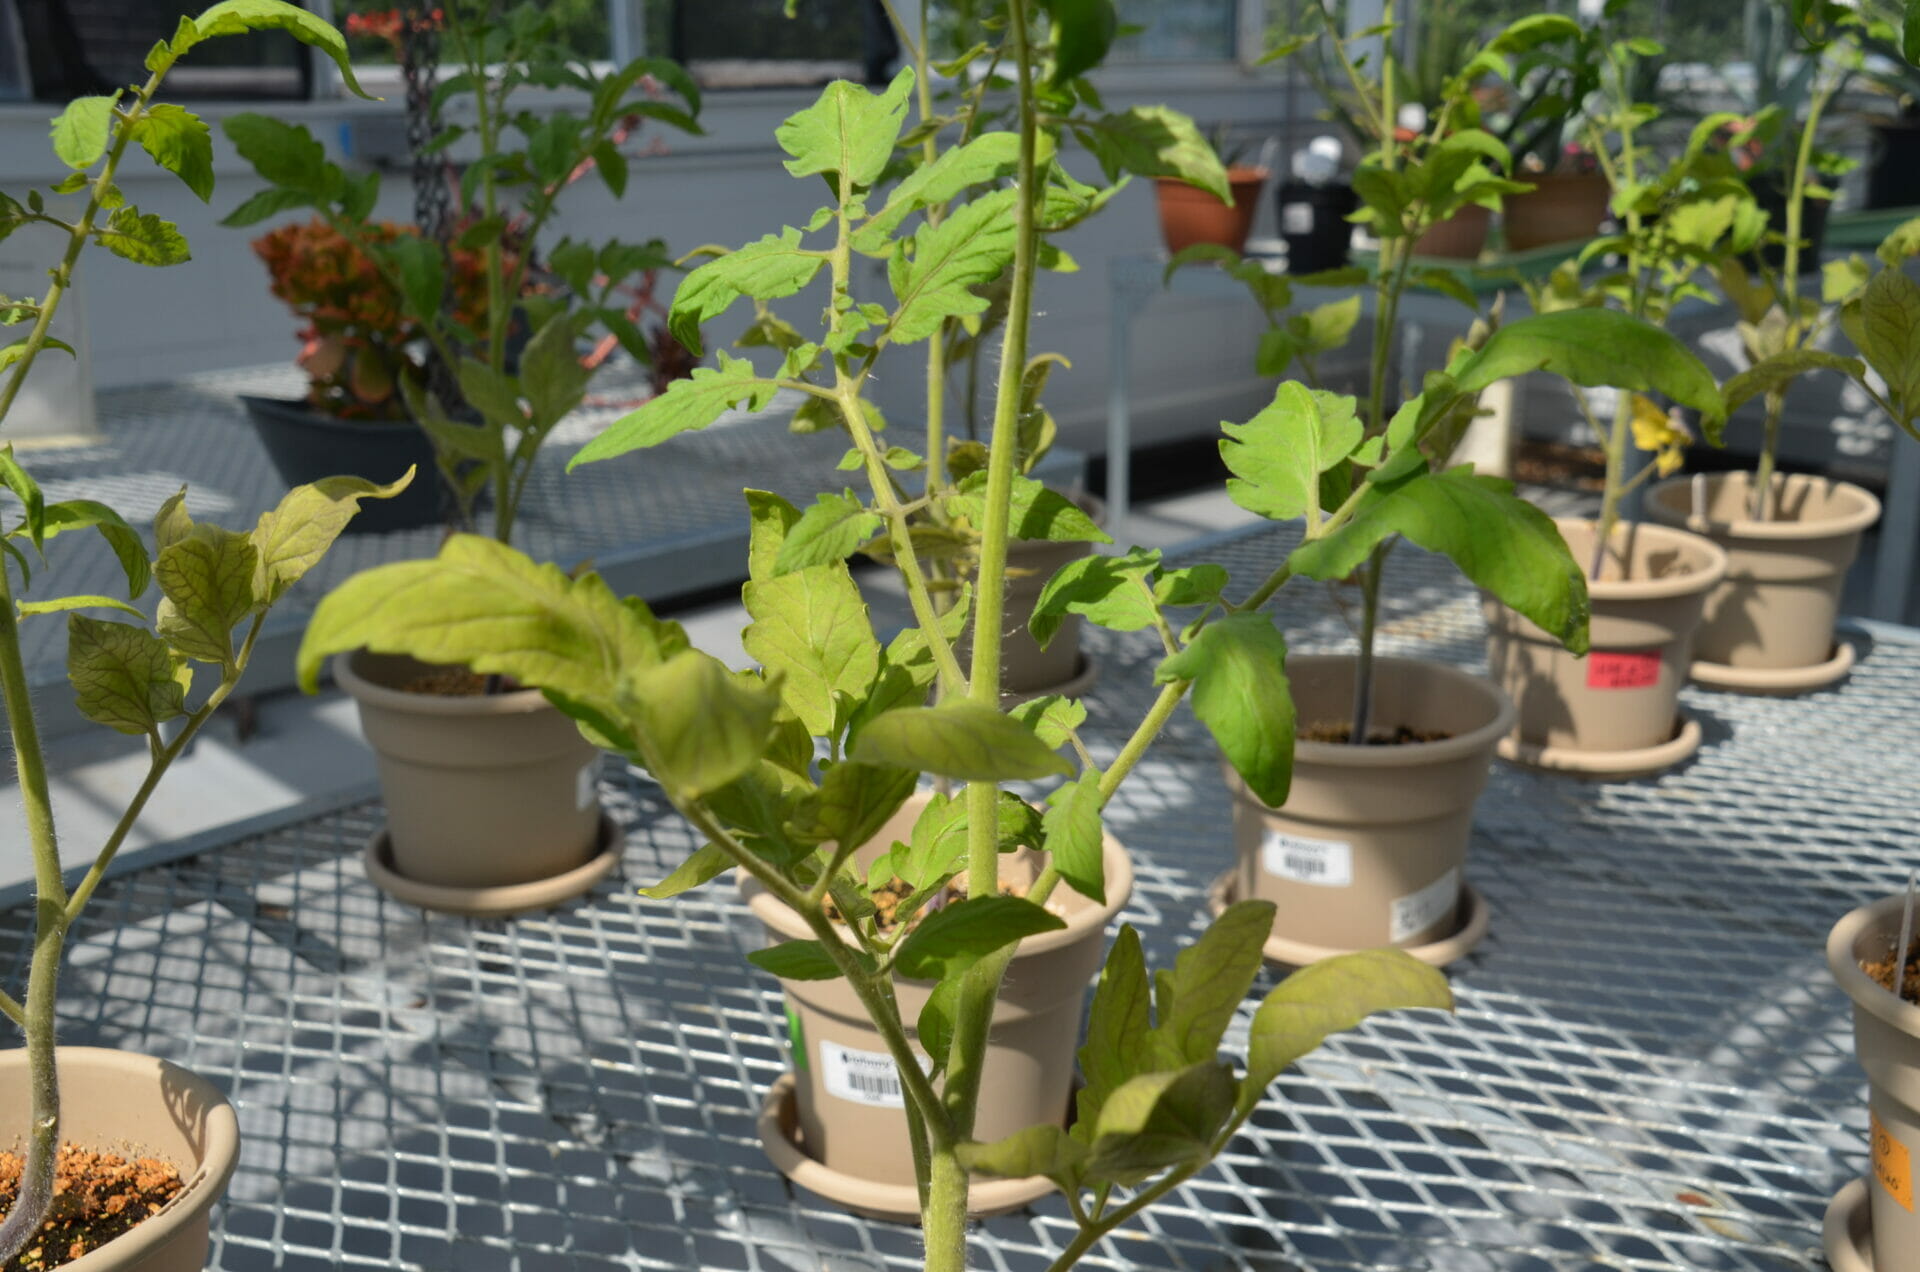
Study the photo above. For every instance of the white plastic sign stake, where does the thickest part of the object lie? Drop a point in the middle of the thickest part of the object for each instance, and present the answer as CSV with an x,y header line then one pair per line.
x,y
1906,934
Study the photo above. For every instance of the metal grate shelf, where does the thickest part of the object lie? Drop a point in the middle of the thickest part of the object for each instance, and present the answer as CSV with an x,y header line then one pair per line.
x,y
1649,1068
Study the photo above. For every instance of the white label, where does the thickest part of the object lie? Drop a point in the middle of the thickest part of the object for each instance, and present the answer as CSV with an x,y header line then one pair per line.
x,y
586,786
1326,862
863,1077
1418,911
1296,218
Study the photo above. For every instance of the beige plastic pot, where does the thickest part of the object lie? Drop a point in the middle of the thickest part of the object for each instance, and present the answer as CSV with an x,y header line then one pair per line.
x,y
848,1117
1769,624
1886,1033
1615,711
137,1106
1026,670
491,799
1370,848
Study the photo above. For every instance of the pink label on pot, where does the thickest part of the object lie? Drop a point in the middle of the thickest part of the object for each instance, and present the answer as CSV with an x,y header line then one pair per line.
x,y
1623,668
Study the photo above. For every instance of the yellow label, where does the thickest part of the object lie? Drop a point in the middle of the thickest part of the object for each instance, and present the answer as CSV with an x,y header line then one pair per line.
x,y
1892,1164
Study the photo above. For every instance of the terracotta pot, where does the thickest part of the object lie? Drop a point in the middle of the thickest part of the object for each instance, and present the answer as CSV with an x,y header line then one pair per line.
x,y
1774,612
1461,237
1618,705
483,791
1559,209
848,1112
138,1106
1190,215
1886,1035
1347,869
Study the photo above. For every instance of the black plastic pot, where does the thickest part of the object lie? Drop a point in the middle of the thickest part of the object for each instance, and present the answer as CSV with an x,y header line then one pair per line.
x,y
306,445
1769,192
1893,168
1313,221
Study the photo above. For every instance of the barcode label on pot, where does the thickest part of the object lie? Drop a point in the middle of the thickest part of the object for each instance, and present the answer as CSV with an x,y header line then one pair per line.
x,y
1326,862
864,1077
1418,911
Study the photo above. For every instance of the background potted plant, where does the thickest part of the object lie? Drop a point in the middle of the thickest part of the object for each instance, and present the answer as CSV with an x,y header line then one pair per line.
x,y
357,344
136,678
1313,206
735,751
491,794
1345,868
1190,214
1789,539
1615,714
1549,77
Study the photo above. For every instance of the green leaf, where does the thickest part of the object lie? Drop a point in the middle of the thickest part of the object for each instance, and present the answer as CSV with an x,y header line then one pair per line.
x,y
700,726
64,603
291,538
1890,322
422,267
284,154
27,491
1500,541
827,532
963,740
490,392
769,268
796,960
1331,996
485,606
143,238
1074,841
1238,668
1109,590
207,581
1118,1023
552,376
705,865
235,17
1159,1121
770,519
985,158
848,130
972,246
1277,456
124,677
1196,1000
687,404
1194,585
1782,369
1037,1150
179,141
1154,141
1593,347
1051,717
123,539
938,843
269,202
1035,512
935,1024
854,801
1083,32
81,131
954,937
811,626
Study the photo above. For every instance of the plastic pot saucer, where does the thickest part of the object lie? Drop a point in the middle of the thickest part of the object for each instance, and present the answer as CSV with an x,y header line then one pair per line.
x,y
1609,766
1848,1230
499,900
778,1125
1085,672
1775,681
1473,918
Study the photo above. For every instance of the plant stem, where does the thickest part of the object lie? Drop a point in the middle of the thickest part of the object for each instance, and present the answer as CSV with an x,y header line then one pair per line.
x,y
1369,625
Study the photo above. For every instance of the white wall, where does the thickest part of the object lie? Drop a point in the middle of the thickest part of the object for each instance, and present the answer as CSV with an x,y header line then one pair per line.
x,y
1192,357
